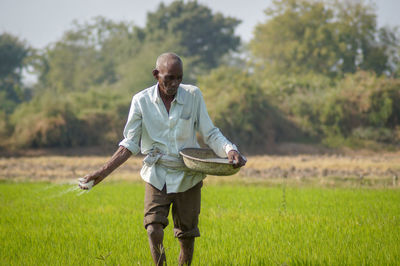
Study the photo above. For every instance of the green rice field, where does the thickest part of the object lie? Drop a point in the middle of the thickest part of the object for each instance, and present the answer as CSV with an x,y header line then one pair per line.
x,y
50,224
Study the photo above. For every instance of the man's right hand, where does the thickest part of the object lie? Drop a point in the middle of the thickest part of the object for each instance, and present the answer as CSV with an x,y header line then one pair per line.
x,y
119,157
96,177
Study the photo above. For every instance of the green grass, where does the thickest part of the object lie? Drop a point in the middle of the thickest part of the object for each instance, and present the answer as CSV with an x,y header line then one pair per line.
x,y
240,225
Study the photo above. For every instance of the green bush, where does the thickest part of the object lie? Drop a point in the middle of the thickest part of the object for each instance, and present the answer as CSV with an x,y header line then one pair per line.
x,y
298,97
104,112
240,108
363,105
46,122
96,117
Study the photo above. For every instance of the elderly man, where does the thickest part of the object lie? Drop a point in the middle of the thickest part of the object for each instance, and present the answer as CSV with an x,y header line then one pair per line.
x,y
163,119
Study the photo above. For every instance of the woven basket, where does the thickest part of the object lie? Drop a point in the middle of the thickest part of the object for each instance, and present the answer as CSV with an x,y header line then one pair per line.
x,y
207,162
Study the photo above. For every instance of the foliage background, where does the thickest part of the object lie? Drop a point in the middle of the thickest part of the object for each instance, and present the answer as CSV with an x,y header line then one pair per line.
x,y
315,72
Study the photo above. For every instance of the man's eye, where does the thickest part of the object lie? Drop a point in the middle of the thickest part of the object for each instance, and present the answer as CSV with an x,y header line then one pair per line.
x,y
170,78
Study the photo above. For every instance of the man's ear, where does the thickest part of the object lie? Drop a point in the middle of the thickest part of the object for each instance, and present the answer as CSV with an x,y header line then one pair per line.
x,y
155,74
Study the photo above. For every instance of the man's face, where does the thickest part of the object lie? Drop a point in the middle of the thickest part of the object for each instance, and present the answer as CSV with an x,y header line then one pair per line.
x,y
169,77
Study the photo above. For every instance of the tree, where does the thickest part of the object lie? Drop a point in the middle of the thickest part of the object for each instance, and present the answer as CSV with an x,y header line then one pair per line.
x,y
189,29
323,37
13,53
87,77
199,34
362,44
87,55
123,55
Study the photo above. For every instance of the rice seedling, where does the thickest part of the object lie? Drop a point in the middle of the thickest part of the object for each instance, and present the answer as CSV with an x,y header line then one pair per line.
x,y
240,224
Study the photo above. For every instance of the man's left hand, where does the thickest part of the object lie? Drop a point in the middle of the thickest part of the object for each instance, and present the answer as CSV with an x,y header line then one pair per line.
x,y
236,158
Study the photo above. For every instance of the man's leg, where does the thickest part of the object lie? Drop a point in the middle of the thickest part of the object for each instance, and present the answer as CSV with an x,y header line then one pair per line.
x,y
185,213
187,248
156,209
156,236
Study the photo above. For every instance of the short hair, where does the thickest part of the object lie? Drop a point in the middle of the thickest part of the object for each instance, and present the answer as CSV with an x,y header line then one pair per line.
x,y
165,58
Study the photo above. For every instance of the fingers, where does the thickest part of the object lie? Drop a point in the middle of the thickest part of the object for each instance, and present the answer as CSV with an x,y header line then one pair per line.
x,y
85,184
87,178
231,157
237,159
242,161
82,187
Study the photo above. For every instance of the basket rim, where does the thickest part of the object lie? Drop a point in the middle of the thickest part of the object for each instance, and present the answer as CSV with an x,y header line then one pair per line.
x,y
202,160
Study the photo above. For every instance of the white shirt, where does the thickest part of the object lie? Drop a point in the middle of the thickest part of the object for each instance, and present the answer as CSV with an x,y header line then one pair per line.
x,y
150,124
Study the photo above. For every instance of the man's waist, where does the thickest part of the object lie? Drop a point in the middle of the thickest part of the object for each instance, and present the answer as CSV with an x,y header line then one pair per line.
x,y
156,156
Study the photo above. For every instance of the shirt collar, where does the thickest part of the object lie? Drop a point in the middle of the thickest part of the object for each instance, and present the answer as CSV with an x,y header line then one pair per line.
x,y
179,97
155,97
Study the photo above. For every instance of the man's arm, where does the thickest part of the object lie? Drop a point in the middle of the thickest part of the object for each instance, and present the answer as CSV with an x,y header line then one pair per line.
x,y
119,157
213,137
127,147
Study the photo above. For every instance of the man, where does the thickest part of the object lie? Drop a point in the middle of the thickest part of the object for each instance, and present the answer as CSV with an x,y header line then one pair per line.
x,y
163,120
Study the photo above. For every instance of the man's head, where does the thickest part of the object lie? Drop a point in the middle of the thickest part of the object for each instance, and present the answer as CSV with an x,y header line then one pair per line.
x,y
168,73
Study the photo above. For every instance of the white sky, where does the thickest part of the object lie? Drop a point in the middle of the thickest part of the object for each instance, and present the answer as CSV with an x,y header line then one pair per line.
x,y
41,22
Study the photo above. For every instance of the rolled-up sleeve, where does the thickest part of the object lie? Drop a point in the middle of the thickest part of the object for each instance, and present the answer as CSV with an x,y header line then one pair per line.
x,y
212,136
133,128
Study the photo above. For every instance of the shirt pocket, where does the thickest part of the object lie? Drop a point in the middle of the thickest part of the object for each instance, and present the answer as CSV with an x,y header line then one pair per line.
x,y
186,112
184,129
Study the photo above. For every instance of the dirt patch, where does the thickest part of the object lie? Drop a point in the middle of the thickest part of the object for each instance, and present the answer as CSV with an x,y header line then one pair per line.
x,y
379,169
56,168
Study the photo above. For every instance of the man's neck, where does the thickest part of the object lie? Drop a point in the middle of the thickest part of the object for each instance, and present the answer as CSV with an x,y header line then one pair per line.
x,y
165,97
